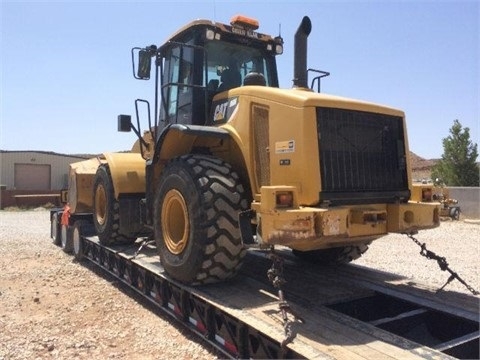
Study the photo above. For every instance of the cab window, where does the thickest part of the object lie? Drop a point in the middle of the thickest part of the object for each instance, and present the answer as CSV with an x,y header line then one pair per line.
x,y
178,85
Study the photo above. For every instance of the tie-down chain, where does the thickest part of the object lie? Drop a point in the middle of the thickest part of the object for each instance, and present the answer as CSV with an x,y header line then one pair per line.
x,y
442,263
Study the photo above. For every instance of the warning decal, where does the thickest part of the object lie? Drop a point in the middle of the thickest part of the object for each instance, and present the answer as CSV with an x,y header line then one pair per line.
x,y
282,147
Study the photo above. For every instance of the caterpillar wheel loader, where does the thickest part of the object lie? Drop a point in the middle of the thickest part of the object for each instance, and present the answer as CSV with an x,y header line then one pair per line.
x,y
230,160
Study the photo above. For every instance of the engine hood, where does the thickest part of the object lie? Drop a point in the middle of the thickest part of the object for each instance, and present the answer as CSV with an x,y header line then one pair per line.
x,y
301,97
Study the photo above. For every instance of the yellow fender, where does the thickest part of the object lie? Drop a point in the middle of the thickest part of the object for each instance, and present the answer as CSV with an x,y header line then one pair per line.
x,y
128,173
80,185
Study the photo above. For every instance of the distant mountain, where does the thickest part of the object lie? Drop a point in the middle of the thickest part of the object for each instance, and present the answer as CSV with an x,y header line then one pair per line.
x,y
421,168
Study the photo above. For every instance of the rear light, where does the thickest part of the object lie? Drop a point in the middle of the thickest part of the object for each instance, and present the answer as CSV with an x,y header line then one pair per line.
x,y
284,199
427,194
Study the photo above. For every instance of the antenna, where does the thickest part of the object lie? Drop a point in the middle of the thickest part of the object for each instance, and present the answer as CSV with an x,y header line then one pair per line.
x,y
279,30
214,12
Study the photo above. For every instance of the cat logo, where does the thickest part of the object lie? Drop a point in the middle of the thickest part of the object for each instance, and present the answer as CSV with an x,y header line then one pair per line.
x,y
223,110
220,112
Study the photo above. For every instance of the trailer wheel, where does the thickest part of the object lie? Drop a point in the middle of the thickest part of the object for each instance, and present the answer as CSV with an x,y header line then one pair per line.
x,y
455,213
55,231
106,209
196,219
80,228
333,256
67,242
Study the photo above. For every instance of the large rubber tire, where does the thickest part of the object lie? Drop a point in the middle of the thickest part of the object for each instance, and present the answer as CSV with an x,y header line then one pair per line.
x,y
80,228
55,230
67,242
106,216
196,219
333,256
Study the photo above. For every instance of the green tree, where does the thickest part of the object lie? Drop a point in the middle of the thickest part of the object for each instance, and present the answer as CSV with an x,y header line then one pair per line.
x,y
458,165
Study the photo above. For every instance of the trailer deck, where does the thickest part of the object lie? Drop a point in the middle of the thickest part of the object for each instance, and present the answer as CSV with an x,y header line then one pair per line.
x,y
350,312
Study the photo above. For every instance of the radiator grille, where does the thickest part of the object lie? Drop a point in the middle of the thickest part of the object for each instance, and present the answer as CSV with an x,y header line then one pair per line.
x,y
260,131
362,156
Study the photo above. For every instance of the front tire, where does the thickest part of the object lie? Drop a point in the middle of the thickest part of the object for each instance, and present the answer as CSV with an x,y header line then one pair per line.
x,y
196,219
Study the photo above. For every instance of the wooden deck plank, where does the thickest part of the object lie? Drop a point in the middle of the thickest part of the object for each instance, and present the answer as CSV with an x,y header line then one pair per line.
x,y
325,334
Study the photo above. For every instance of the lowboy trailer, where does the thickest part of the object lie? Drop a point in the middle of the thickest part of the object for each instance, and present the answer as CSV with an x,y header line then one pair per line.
x,y
347,312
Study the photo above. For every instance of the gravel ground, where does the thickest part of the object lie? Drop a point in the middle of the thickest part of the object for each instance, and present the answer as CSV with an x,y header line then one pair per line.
x,y
457,241
55,308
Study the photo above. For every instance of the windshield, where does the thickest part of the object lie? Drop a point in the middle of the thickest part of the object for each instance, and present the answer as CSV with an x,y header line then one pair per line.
x,y
236,58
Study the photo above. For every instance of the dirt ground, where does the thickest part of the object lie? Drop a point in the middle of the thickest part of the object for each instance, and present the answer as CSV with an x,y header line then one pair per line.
x,y
53,307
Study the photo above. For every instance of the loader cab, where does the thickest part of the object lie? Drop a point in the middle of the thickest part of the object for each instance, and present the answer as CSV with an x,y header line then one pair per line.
x,y
204,59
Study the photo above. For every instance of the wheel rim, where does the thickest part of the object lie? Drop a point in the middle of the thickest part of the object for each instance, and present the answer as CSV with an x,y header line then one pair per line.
x,y
100,204
174,219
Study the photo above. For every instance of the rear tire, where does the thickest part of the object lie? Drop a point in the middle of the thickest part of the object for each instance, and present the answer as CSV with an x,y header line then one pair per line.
x,y
67,242
333,256
106,209
55,230
196,219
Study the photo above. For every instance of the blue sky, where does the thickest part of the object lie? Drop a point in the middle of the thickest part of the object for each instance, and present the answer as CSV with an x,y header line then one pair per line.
x,y
66,71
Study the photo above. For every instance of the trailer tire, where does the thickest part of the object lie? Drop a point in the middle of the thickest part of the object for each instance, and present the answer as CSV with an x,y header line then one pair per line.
x,y
80,228
333,256
67,242
455,213
106,209
196,219
55,230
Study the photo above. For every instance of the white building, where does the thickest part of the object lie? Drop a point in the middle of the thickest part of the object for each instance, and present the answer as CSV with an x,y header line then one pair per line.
x,y
35,170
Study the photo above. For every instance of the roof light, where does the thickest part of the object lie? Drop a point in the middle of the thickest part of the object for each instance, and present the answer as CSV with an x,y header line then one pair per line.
x,y
279,49
244,21
210,34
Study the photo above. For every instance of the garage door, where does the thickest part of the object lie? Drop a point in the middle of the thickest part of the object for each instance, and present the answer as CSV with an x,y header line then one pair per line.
x,y
32,177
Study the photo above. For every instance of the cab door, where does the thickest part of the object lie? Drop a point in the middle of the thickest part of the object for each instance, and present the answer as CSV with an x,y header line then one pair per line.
x,y
177,88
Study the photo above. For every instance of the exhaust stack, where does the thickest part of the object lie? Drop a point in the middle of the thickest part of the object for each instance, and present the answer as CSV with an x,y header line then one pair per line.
x,y
300,78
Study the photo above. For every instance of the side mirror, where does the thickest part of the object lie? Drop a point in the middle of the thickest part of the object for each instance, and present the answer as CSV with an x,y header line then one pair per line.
x,y
124,123
144,64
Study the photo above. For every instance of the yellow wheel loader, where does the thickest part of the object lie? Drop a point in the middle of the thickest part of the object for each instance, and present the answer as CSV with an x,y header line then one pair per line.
x,y
230,160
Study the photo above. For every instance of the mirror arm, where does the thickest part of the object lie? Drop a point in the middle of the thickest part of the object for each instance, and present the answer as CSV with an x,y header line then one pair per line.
x,y
136,130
